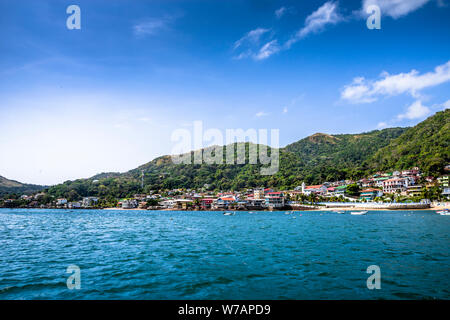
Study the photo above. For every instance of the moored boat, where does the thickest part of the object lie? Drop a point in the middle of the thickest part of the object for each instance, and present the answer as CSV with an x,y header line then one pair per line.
x,y
358,213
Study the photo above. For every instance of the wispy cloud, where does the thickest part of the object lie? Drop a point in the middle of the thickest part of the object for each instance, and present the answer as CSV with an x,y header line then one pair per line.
x,y
251,38
285,110
267,50
327,14
152,26
395,8
261,114
366,91
280,12
315,22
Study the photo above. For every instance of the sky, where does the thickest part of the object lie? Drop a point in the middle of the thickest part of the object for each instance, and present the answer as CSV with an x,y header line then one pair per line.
x,y
107,97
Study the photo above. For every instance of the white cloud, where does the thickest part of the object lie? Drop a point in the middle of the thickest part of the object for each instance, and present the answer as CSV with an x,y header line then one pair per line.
x,y
395,8
327,14
366,91
415,111
280,12
446,104
250,44
285,110
382,125
267,50
152,26
261,114
251,38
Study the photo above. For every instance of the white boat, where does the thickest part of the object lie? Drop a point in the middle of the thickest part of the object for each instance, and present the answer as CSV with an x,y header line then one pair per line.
x,y
340,212
228,213
358,213
444,212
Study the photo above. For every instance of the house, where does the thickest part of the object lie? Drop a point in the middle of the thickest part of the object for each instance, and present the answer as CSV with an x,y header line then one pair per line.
x,y
395,185
259,203
61,202
224,202
74,205
411,172
317,189
129,204
258,194
414,191
89,201
340,191
169,203
379,181
370,194
206,203
183,204
446,192
274,199
443,181
366,183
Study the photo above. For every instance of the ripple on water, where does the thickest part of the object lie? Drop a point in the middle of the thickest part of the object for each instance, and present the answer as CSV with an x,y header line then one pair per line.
x,y
158,255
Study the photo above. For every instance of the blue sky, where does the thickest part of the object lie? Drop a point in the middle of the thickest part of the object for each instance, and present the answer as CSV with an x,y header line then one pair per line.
x,y
108,96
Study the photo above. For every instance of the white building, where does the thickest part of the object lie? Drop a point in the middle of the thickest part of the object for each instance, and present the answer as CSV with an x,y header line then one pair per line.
x,y
89,201
61,202
395,185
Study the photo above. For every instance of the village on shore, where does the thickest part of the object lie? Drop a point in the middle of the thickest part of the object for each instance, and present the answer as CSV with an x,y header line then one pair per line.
x,y
407,189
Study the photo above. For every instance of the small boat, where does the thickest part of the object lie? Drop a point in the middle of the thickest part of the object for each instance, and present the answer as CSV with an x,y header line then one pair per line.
x,y
358,213
444,212
228,213
340,212
287,212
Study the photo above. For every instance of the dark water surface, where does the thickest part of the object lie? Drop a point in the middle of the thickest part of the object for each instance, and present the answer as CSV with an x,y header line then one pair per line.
x,y
206,255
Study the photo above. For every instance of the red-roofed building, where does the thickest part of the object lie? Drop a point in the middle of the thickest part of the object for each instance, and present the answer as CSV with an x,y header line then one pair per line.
x,y
317,189
370,194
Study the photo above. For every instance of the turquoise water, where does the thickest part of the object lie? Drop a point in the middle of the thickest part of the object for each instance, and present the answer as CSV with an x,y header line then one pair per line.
x,y
206,255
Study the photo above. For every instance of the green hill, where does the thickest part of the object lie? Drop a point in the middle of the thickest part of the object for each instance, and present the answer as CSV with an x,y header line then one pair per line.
x,y
315,159
335,157
426,145
10,186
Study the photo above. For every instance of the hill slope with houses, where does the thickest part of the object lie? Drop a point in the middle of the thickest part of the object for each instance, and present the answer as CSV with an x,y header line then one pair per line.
x,y
313,160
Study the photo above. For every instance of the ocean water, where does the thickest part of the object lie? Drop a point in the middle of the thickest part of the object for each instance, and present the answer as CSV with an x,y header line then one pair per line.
x,y
206,255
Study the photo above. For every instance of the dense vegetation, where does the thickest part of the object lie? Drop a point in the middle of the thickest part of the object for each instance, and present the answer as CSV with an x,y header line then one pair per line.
x,y
10,186
427,145
315,159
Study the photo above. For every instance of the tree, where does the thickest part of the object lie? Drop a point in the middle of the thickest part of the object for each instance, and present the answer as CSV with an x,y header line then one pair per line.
x,y
353,189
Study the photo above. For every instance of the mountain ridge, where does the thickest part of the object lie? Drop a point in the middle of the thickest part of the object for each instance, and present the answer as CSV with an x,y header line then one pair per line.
x,y
314,159
8,186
